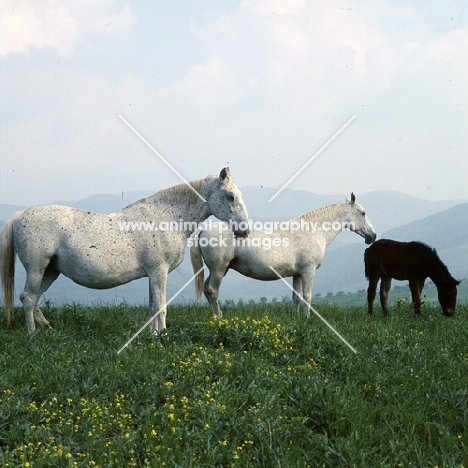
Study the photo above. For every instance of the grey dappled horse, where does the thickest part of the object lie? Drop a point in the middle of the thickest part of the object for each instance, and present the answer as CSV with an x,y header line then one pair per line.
x,y
97,251
296,251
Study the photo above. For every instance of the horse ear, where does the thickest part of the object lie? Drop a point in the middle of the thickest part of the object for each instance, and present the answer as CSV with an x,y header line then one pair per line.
x,y
353,198
225,174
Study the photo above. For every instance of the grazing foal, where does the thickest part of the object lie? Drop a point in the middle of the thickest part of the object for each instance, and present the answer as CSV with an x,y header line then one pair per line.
x,y
413,261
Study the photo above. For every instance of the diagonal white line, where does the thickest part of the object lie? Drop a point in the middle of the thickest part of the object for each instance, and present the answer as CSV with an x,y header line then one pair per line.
x,y
312,158
159,156
160,310
313,310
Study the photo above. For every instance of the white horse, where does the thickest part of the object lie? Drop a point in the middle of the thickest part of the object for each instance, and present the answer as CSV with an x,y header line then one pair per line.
x,y
102,251
295,248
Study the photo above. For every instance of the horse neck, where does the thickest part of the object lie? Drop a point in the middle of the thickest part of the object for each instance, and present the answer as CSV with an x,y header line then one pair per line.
x,y
329,213
172,206
196,212
184,208
439,274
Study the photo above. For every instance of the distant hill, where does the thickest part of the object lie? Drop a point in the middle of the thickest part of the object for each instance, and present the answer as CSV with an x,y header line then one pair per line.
x,y
102,203
445,230
8,210
442,224
387,209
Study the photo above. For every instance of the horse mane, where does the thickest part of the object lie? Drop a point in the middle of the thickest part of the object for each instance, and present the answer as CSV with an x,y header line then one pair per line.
x,y
320,213
429,251
433,257
183,191
179,192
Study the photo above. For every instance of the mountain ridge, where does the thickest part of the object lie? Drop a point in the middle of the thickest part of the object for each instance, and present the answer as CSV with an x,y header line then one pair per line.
x,y
443,226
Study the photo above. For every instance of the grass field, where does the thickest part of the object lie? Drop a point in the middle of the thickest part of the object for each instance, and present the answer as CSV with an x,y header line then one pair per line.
x,y
258,388
429,295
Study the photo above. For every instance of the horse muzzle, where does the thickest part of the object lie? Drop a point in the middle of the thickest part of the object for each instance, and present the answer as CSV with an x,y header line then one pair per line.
x,y
241,233
370,238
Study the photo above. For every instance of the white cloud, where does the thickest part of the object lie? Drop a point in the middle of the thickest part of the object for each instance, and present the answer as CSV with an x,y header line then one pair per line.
x,y
262,86
27,24
208,84
269,41
114,23
289,41
451,47
319,62
76,145
279,7
24,26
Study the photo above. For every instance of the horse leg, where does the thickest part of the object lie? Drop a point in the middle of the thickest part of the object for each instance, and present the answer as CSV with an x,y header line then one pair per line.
x,y
371,291
416,295
385,285
211,290
421,285
50,275
296,296
157,301
307,281
30,296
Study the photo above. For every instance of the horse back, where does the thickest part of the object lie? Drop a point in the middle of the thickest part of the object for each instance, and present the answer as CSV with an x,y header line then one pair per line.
x,y
46,231
40,227
399,260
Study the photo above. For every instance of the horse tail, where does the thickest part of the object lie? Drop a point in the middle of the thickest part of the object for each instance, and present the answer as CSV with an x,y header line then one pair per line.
x,y
197,262
366,262
7,264
373,257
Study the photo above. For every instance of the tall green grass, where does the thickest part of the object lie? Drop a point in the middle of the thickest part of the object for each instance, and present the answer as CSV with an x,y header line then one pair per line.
x,y
259,388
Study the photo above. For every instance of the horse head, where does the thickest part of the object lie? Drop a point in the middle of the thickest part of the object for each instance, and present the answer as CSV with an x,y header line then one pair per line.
x,y
359,222
226,203
447,294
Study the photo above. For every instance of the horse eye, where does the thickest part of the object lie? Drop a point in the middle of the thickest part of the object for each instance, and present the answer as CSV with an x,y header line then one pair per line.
x,y
230,197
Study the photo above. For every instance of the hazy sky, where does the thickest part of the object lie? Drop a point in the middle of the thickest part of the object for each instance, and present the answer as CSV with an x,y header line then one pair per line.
x,y
260,85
